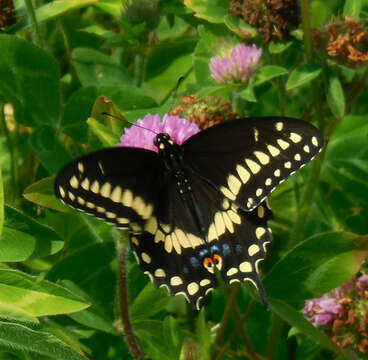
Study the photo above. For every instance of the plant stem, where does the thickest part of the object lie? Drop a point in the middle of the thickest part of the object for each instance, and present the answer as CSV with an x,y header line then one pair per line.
x,y
239,327
139,65
33,21
275,335
122,249
280,88
307,38
11,147
226,315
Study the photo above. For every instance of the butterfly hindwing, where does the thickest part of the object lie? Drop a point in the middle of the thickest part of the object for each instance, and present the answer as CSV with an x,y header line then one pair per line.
x,y
117,185
174,253
247,158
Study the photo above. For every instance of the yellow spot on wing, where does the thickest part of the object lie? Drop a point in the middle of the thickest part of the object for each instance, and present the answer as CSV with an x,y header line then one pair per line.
x,y
279,126
262,157
116,194
253,166
283,144
314,141
260,231
95,188
228,222
85,184
74,183
80,167
227,193
274,151
176,281
232,271
105,190
62,192
205,282
160,273
295,138
146,258
253,249
243,173
245,266
234,184
219,224
192,288
127,198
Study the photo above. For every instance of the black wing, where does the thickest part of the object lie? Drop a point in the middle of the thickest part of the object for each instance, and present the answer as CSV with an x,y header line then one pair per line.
x,y
173,252
247,158
118,185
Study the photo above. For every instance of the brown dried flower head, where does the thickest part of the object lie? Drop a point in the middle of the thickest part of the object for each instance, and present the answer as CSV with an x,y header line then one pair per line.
x,y
205,112
273,19
7,14
347,41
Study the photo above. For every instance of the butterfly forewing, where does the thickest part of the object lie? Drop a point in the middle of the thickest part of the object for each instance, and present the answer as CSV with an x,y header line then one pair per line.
x,y
246,159
117,185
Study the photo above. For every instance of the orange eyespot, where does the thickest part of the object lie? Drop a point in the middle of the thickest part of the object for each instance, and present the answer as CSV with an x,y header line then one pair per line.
x,y
217,258
208,262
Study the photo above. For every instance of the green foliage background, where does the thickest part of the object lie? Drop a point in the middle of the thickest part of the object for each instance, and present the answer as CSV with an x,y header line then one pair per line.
x,y
58,268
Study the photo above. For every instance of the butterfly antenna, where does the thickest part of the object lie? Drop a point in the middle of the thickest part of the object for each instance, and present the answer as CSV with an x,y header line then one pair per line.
x,y
117,117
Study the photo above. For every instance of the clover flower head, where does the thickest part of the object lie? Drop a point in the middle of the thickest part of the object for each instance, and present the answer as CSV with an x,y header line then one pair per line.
x,y
143,135
236,67
322,310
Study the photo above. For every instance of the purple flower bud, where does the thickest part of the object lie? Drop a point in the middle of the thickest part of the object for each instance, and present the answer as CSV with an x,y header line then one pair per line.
x,y
320,311
237,67
180,129
363,281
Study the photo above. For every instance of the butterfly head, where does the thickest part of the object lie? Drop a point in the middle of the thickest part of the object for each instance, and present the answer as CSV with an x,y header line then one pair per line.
x,y
163,141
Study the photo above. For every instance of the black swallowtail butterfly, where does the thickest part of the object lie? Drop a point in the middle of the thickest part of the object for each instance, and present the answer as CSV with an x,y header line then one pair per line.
x,y
196,206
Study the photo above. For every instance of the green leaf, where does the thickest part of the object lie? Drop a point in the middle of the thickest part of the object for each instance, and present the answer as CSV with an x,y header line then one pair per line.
x,y
313,267
207,10
248,93
346,173
57,8
352,8
318,11
80,105
34,296
203,331
296,319
24,238
149,302
166,80
239,27
268,72
301,75
277,47
29,81
92,317
105,135
89,266
49,148
112,7
95,68
218,90
336,97
1,202
15,336
42,193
